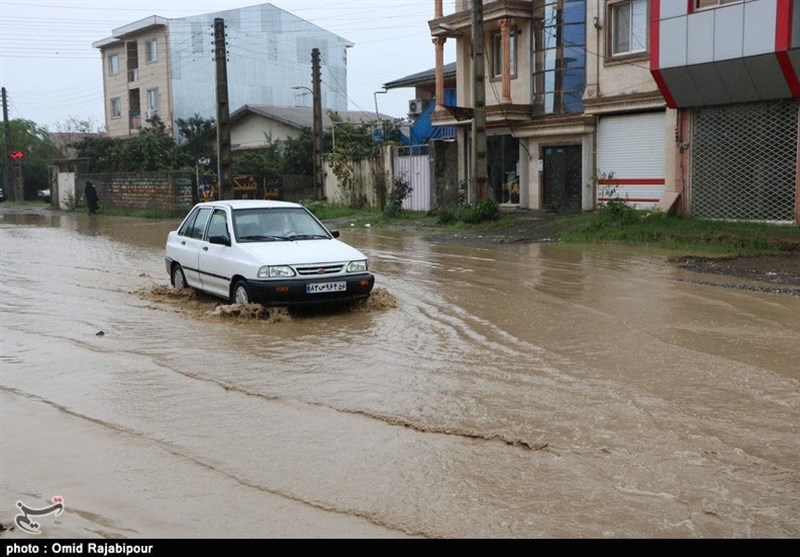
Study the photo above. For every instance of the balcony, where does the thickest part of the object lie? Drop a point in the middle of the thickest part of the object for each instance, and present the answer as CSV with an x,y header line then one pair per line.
x,y
459,23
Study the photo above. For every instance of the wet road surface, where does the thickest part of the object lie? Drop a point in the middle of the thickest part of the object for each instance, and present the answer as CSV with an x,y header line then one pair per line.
x,y
525,390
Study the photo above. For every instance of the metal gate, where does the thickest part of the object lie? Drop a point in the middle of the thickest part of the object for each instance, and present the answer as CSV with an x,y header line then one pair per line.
x,y
412,164
744,161
562,179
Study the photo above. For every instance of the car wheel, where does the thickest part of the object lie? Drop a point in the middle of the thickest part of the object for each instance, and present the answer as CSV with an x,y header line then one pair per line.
x,y
178,278
240,293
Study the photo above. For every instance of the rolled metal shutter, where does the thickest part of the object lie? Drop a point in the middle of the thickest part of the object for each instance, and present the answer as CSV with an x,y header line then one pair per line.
x,y
630,158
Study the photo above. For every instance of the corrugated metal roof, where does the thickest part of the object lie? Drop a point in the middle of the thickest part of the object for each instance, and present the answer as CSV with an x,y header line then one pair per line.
x,y
303,117
421,78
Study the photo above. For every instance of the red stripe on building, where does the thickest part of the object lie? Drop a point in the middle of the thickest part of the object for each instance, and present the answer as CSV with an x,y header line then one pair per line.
x,y
630,199
783,26
783,40
655,36
632,181
655,33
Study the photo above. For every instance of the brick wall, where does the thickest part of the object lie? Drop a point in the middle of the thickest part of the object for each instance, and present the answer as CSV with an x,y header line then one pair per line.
x,y
168,191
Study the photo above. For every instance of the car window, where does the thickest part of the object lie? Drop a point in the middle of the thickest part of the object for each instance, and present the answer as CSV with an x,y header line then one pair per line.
x,y
275,224
199,225
187,224
218,225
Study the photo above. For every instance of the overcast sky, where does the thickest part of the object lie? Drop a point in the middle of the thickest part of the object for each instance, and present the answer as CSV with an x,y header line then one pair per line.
x,y
51,71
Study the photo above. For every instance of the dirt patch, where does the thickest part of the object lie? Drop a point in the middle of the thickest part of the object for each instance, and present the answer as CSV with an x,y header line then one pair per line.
x,y
773,274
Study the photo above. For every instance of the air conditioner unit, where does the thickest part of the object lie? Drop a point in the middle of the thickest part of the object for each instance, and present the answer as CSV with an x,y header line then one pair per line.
x,y
415,106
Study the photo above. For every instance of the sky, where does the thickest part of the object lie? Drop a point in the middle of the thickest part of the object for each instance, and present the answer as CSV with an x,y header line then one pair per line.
x,y
51,72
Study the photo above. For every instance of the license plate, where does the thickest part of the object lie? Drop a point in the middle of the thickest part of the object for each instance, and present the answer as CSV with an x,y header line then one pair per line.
x,y
320,287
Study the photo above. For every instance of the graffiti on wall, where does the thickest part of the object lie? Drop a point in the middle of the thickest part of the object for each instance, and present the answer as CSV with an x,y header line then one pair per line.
x,y
244,187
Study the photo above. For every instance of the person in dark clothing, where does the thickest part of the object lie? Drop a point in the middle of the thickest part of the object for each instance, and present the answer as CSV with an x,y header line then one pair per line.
x,y
90,192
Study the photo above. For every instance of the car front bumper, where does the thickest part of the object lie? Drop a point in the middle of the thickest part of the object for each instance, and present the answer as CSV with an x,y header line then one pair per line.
x,y
294,292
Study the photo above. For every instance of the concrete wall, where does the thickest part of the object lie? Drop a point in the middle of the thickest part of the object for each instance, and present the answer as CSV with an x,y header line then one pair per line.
x,y
364,172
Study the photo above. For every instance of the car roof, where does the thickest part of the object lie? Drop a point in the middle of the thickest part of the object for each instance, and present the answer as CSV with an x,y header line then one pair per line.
x,y
249,204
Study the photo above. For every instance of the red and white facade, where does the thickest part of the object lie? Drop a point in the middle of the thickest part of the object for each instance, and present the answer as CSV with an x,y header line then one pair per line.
x,y
730,68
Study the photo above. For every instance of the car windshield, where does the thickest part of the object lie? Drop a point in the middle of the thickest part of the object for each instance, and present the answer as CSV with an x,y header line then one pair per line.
x,y
276,224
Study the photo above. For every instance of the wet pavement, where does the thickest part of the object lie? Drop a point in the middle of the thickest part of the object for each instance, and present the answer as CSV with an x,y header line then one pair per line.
x,y
519,390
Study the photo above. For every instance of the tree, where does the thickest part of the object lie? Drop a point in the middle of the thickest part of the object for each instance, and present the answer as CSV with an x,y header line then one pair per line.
x,y
195,132
38,150
152,149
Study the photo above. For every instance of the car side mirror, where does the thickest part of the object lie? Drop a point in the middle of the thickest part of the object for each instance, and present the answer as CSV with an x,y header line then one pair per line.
x,y
219,240
335,233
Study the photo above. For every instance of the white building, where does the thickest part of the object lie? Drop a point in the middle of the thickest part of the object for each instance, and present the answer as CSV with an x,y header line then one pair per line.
x,y
165,67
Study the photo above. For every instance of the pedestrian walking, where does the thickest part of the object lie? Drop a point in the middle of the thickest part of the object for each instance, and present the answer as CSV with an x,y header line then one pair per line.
x,y
90,193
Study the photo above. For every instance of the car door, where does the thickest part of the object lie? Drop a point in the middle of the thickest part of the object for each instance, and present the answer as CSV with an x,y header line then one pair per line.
x,y
215,259
186,249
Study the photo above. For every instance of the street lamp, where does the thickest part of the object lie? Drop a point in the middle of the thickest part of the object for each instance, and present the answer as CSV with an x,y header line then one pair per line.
x,y
296,87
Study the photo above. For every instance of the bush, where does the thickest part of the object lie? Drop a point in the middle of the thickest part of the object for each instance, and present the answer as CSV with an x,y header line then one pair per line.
x,y
446,216
483,211
400,190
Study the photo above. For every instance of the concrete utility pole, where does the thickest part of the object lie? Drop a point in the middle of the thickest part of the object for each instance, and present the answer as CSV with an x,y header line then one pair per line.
x,y
8,179
224,157
478,164
319,188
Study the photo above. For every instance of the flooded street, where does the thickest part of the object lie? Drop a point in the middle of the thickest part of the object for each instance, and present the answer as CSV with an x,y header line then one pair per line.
x,y
519,390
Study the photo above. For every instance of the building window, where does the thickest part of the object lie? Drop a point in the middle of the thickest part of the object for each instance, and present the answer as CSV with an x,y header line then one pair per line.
x,y
116,108
559,57
497,54
700,4
152,100
151,51
629,27
113,64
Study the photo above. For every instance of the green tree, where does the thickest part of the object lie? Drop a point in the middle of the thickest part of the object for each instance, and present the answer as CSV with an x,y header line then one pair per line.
x,y
196,133
38,150
152,149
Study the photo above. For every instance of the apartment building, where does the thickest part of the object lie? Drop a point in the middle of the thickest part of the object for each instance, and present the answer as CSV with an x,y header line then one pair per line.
x,y
592,99
165,67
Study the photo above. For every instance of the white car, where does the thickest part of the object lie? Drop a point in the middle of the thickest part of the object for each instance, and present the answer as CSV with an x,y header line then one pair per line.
x,y
270,252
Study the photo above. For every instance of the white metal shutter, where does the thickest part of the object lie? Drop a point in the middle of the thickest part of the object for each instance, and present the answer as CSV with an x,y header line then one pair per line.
x,y
631,147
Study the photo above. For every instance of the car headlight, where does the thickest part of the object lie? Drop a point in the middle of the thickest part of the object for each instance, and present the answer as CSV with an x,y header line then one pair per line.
x,y
357,266
278,271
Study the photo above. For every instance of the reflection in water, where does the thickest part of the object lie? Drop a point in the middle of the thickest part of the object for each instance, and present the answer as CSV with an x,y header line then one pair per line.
x,y
503,391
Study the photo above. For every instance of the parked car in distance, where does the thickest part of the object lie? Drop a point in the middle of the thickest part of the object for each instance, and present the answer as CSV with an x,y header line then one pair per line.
x,y
43,195
271,252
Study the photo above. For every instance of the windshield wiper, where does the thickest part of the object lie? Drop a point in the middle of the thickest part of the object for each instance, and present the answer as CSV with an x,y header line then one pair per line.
x,y
308,237
264,237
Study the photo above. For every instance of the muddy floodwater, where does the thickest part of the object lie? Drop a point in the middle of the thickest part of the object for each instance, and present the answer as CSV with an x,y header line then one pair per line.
x,y
518,390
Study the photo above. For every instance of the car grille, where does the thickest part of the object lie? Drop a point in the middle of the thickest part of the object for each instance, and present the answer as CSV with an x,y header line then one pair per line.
x,y
319,270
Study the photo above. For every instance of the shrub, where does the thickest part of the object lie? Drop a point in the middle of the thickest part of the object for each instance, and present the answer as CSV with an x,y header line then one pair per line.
x,y
401,189
482,211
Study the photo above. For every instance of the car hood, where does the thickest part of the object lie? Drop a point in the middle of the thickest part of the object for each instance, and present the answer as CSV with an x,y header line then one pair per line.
x,y
302,252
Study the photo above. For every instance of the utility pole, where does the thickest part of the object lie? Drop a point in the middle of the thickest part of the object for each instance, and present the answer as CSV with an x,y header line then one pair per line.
x,y
317,131
224,158
478,164
8,179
